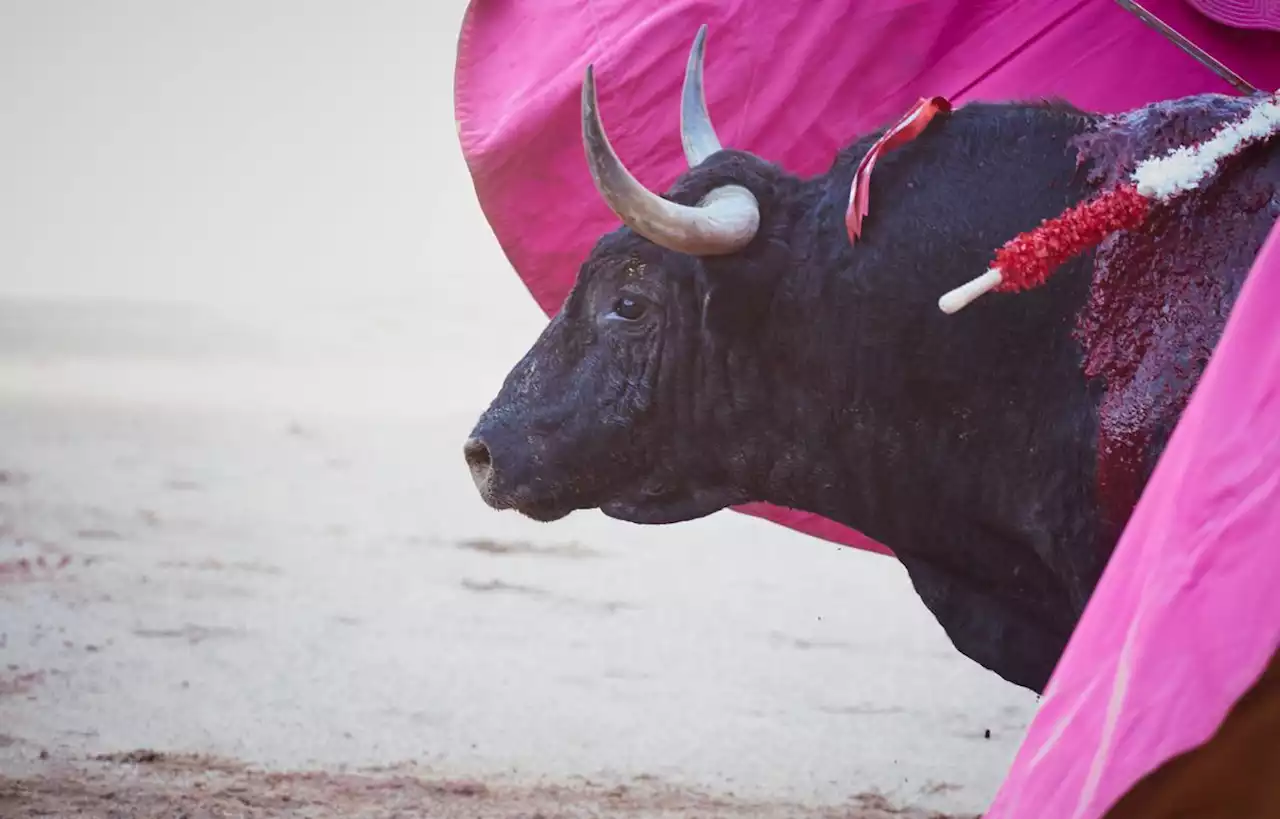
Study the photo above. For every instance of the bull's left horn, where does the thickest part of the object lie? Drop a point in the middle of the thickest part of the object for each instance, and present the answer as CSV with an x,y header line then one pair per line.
x,y
725,221
697,134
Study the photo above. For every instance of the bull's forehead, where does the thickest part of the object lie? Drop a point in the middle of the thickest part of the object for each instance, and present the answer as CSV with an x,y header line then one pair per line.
x,y
624,256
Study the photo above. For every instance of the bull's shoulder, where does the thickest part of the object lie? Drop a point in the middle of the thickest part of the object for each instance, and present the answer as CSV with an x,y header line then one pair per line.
x,y
1161,295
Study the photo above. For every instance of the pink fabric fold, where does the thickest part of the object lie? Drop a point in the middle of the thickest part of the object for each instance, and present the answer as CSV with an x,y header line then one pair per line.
x,y
1186,615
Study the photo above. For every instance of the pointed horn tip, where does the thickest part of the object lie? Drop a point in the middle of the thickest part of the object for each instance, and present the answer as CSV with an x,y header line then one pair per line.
x,y
589,89
699,42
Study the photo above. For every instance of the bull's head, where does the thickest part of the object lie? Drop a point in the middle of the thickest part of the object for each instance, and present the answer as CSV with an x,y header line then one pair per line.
x,y
625,400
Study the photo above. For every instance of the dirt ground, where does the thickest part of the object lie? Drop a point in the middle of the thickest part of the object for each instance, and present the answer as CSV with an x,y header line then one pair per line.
x,y
316,595
149,785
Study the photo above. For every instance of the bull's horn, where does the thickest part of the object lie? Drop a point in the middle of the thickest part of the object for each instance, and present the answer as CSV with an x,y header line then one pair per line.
x,y
696,131
725,221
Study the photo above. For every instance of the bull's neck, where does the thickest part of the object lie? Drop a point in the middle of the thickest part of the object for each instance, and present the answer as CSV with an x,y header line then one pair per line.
x,y
883,400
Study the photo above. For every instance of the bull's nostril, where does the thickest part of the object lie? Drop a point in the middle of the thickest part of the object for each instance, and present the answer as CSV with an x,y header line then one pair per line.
x,y
477,455
480,461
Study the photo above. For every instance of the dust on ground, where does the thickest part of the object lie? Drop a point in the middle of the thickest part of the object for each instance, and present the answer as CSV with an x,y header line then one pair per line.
x,y
145,784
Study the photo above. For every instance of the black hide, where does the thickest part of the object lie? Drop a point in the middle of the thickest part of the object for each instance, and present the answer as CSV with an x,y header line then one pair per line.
x,y
813,374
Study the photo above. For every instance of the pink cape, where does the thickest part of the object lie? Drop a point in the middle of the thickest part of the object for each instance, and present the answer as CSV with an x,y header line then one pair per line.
x,y
794,82
1186,615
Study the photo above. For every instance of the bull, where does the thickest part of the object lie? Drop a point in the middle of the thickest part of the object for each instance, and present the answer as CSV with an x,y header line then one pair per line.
x,y
729,344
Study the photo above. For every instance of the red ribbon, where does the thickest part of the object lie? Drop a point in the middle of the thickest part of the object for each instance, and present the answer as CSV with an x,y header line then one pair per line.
x,y
906,129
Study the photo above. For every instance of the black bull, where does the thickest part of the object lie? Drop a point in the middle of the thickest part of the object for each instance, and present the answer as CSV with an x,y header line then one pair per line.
x,y
729,344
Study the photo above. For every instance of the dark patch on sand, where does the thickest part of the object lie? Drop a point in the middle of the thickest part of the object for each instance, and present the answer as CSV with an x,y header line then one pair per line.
x,y
212,565
864,709
934,788
138,757
810,645
570,551
190,632
172,761
14,477
502,587
98,534
505,588
498,586
32,568
297,430
15,683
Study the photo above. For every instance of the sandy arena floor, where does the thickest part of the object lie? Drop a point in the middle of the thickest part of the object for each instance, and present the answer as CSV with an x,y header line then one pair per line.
x,y
284,566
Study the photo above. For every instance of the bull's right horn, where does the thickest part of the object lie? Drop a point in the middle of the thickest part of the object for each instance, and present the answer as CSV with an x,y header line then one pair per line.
x,y
697,134
725,221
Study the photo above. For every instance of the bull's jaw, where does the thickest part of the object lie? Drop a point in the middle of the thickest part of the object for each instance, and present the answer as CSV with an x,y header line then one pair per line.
x,y
676,506
523,502
642,509
541,511
543,514
651,505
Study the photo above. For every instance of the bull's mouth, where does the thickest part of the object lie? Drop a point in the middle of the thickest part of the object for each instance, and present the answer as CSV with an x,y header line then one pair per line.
x,y
658,506
543,510
644,499
650,506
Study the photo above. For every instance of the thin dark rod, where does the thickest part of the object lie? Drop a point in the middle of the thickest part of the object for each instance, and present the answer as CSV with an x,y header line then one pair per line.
x,y
1239,83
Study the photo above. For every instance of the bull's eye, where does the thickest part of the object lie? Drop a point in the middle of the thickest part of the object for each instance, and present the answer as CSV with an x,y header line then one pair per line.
x,y
628,309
